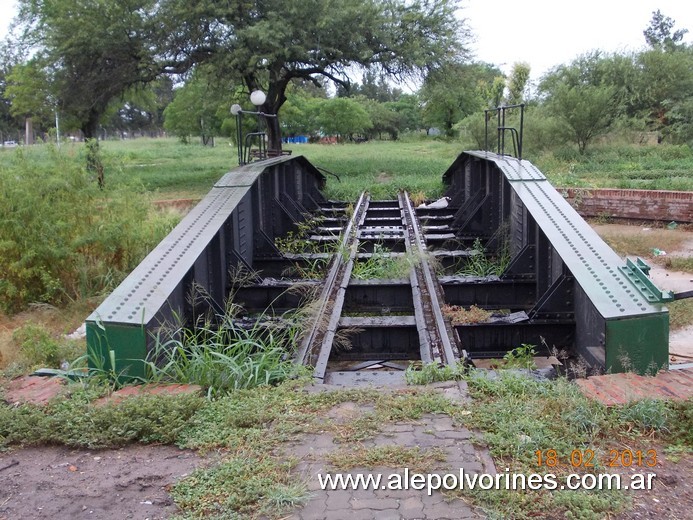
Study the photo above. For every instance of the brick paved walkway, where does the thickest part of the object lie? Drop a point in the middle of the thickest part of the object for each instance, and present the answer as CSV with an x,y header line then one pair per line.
x,y
616,389
431,431
432,434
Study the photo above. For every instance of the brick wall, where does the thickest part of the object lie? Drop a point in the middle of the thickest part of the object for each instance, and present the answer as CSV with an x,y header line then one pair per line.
x,y
632,204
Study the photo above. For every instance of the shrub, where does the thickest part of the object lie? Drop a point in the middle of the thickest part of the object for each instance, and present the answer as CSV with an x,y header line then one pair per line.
x,y
646,415
37,345
77,423
61,237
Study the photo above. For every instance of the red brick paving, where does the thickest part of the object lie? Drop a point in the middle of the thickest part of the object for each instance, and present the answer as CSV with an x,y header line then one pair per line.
x,y
612,389
33,389
153,389
39,390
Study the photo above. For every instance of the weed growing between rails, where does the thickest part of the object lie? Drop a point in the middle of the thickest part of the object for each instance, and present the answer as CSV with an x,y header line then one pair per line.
x,y
480,264
382,265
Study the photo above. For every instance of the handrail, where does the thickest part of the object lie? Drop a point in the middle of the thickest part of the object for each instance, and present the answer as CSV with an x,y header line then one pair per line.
x,y
501,128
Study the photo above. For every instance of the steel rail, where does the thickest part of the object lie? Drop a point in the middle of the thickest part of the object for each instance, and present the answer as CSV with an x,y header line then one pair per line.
x,y
426,345
317,344
433,322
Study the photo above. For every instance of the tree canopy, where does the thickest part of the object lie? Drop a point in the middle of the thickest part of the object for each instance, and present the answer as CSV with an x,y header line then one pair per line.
x,y
98,64
90,51
93,51
269,44
659,34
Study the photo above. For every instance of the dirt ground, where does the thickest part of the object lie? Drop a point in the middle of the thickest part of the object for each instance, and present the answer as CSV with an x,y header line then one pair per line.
x,y
672,495
58,482
132,483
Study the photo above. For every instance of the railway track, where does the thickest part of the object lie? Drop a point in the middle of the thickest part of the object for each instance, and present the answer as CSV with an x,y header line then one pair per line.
x,y
559,285
392,321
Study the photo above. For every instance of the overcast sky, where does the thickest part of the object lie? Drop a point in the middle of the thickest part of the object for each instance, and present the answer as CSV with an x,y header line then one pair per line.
x,y
546,33
543,33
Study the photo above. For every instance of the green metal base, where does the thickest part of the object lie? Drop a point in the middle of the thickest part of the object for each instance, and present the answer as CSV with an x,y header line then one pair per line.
x,y
638,345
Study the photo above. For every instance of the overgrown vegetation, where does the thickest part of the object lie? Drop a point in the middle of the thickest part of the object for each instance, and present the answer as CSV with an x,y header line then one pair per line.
x,y
459,315
481,263
78,423
415,458
228,354
298,241
428,373
382,265
519,417
63,238
40,348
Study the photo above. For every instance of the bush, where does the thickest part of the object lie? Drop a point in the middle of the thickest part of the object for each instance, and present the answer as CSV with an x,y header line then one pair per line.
x,y
37,345
61,237
40,348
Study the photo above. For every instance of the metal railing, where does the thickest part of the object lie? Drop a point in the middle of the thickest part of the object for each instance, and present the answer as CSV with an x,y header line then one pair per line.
x,y
501,129
244,143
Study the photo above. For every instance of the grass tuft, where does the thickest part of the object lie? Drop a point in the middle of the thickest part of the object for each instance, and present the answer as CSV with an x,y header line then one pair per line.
x,y
415,458
427,373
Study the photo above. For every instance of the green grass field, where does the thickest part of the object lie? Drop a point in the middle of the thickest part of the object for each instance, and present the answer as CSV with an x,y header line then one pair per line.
x,y
171,169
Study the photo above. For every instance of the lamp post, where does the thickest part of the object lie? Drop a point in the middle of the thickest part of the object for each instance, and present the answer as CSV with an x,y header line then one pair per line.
x,y
257,98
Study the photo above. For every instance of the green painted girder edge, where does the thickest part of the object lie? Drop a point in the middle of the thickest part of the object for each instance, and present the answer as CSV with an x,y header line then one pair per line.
x,y
638,344
128,342
637,274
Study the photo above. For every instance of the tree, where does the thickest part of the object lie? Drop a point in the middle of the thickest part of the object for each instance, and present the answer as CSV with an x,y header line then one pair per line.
x,y
384,119
517,82
659,35
196,110
92,51
373,86
454,91
141,110
9,126
408,108
30,96
300,113
343,117
493,92
665,84
585,111
269,44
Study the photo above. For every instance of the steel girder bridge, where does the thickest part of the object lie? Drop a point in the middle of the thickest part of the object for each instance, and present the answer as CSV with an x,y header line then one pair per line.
x,y
563,286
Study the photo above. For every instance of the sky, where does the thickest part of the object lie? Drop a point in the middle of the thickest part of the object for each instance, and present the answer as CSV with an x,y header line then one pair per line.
x,y
8,9
543,33
546,33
